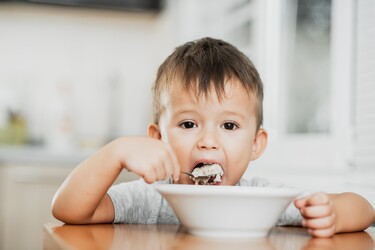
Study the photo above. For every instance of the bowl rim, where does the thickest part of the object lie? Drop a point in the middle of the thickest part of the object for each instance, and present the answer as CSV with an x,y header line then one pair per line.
x,y
196,190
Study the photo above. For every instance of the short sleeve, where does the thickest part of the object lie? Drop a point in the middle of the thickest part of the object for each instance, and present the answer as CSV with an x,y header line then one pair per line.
x,y
135,202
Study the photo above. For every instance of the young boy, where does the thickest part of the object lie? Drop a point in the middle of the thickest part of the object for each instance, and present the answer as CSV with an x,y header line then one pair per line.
x,y
207,109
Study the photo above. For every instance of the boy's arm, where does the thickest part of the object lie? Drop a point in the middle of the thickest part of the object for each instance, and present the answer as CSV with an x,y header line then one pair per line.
x,y
82,198
353,212
327,214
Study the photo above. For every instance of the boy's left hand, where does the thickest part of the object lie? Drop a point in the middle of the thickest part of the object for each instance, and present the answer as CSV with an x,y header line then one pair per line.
x,y
318,214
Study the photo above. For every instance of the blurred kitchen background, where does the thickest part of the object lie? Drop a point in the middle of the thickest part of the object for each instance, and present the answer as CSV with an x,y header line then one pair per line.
x,y
76,74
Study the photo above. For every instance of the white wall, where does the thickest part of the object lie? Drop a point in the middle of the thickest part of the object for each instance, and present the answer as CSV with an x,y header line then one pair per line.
x,y
63,59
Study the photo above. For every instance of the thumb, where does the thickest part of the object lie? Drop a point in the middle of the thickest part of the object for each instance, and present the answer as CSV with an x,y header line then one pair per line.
x,y
318,199
302,202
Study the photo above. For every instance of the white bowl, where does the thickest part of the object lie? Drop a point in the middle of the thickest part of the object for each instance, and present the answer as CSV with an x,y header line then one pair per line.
x,y
227,211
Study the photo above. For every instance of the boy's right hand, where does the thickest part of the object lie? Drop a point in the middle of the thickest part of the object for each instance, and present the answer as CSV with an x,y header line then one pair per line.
x,y
152,159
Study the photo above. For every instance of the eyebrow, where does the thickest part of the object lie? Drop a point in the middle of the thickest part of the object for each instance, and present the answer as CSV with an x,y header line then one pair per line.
x,y
234,113
183,111
194,111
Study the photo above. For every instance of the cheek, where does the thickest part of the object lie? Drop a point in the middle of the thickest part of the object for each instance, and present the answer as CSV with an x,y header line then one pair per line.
x,y
180,148
241,160
239,152
237,167
241,144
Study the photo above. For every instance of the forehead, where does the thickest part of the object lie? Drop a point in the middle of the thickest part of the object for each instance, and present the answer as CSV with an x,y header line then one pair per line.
x,y
233,93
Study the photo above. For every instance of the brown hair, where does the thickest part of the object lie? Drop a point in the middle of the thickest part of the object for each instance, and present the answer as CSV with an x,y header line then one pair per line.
x,y
203,65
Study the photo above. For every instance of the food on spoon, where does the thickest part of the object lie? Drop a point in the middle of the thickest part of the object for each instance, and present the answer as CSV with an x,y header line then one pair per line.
x,y
207,174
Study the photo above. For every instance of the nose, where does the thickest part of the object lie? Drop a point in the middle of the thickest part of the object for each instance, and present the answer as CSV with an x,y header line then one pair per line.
x,y
208,139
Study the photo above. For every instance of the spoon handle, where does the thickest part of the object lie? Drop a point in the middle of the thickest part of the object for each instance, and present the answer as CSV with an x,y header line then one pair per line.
x,y
189,174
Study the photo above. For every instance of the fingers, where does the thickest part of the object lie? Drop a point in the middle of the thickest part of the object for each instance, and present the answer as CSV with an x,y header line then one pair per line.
x,y
160,172
321,227
163,165
316,199
149,158
149,178
321,222
322,233
318,213
173,166
157,172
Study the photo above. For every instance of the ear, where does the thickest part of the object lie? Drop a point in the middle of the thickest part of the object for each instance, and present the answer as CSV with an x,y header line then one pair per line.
x,y
259,144
154,131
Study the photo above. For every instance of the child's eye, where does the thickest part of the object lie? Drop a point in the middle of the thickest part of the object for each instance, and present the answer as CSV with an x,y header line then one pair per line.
x,y
188,124
230,126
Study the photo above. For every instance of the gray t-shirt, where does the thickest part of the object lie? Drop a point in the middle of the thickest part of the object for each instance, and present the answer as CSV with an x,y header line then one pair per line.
x,y
139,203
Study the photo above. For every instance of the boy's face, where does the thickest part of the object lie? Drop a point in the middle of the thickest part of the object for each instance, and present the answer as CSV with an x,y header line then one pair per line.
x,y
211,131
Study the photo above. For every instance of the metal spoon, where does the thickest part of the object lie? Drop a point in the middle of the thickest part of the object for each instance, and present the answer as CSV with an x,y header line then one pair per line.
x,y
187,173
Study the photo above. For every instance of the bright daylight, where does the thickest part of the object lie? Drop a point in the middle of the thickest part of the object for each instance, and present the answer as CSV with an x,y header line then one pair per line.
x,y
187,124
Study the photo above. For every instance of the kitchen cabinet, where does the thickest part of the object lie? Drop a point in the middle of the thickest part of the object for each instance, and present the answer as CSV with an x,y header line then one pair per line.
x,y
26,194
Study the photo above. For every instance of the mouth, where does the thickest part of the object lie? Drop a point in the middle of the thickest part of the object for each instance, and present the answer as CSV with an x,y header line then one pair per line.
x,y
207,174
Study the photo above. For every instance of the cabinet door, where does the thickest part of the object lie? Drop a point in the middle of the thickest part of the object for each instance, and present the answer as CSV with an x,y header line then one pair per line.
x,y
27,196
27,193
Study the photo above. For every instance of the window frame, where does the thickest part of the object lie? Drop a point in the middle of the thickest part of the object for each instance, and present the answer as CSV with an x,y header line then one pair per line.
x,y
312,152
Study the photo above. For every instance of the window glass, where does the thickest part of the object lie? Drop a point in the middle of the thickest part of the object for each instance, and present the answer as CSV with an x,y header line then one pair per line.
x,y
308,66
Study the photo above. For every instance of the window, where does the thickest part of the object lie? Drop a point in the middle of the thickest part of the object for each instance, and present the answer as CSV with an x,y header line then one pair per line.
x,y
307,67
308,76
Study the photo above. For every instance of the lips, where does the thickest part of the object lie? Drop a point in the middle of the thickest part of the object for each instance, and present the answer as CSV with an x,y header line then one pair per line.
x,y
207,173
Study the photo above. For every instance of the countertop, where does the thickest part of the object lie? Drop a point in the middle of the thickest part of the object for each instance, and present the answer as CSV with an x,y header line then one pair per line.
x,y
139,236
37,155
